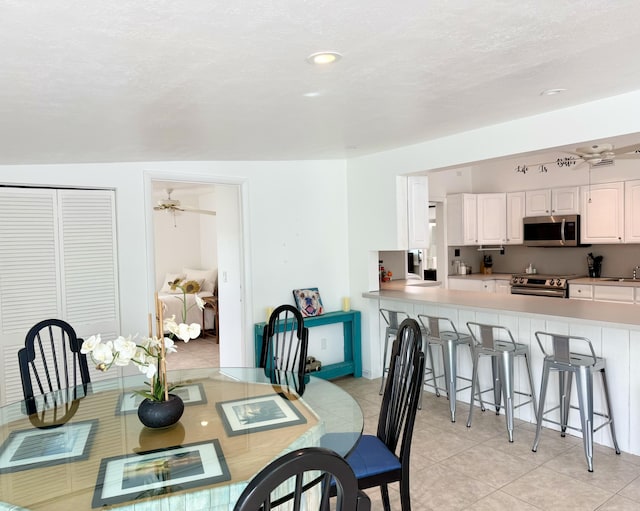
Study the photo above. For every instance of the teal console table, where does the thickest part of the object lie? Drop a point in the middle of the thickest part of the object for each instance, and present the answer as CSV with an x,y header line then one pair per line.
x,y
351,342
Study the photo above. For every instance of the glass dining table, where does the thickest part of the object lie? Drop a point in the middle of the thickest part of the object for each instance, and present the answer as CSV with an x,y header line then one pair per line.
x,y
93,452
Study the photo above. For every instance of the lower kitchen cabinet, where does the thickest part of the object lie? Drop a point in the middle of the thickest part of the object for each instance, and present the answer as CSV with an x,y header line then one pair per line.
x,y
618,294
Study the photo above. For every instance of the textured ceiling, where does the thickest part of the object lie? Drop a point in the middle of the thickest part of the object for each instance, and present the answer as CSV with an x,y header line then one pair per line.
x,y
95,81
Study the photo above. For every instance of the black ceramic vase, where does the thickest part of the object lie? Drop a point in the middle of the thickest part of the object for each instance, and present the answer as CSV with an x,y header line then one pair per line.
x,y
161,414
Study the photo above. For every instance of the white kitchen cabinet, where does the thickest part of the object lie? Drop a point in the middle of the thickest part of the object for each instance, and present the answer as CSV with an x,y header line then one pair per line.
x,y
418,211
581,291
632,211
483,286
462,223
622,294
515,214
602,213
503,286
556,201
492,218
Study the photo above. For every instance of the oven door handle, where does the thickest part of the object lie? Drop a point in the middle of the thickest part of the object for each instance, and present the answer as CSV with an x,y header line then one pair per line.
x,y
557,292
562,236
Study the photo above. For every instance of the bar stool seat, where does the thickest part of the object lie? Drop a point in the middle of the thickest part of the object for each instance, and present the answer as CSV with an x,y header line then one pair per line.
x,y
392,319
441,332
497,342
567,363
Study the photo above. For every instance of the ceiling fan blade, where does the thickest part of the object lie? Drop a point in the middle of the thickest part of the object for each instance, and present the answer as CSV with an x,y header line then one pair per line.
x,y
194,210
580,165
628,156
627,149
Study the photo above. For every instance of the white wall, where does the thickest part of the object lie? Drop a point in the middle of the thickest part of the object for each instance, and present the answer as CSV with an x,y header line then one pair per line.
x,y
294,214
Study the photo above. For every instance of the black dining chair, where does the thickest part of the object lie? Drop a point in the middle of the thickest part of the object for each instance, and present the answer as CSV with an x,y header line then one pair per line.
x,y
306,468
284,341
384,458
51,358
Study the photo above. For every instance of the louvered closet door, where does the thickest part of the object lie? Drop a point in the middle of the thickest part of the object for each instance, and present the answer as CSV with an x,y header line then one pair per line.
x,y
57,260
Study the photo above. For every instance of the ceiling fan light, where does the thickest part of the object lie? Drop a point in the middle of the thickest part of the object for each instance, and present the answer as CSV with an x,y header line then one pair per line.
x,y
552,92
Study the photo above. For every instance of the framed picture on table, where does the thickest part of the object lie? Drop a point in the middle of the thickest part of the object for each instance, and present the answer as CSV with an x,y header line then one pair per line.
x,y
259,413
192,394
34,448
159,472
308,301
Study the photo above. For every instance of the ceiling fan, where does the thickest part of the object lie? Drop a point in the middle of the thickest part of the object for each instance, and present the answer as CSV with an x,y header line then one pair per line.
x,y
595,155
173,205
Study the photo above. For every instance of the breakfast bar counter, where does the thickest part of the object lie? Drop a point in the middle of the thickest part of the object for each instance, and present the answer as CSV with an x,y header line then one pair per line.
x,y
613,328
611,313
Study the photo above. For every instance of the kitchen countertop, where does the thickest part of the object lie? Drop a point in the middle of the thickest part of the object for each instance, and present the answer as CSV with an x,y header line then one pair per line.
x,y
611,313
401,284
605,281
483,276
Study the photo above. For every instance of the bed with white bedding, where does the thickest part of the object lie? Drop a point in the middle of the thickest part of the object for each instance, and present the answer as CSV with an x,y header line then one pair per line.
x,y
173,300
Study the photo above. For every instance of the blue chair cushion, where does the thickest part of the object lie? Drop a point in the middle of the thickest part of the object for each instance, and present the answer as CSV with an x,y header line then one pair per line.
x,y
372,457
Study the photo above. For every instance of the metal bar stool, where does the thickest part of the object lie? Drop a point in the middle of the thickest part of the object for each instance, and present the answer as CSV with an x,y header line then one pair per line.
x,y
498,343
392,319
567,363
437,331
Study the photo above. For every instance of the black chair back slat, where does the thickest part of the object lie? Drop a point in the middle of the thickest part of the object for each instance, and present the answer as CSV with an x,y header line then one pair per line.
x,y
284,341
51,371
257,496
402,390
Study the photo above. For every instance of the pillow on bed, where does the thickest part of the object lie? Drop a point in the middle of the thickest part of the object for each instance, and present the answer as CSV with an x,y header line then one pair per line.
x,y
170,277
208,276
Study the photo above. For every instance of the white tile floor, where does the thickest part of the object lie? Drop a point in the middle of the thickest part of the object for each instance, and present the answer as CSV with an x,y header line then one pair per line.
x,y
459,468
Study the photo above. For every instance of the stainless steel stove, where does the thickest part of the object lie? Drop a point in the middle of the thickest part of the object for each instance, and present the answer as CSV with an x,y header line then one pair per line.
x,y
541,285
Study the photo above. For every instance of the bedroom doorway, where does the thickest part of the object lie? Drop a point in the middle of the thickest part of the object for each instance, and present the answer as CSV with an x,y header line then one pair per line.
x,y
194,240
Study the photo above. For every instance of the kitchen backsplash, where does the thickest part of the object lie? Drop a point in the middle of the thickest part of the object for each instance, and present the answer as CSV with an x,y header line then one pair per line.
x,y
618,260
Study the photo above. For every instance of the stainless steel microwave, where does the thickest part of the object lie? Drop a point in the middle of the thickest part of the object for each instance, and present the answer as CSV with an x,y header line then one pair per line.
x,y
552,231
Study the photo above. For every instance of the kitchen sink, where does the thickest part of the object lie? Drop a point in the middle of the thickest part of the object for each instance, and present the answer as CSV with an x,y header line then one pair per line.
x,y
622,279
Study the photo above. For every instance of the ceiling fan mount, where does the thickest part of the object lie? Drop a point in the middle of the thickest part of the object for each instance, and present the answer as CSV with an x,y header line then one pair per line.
x,y
173,205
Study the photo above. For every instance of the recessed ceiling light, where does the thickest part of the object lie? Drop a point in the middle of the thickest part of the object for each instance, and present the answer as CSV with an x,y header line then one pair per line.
x,y
313,94
552,92
324,57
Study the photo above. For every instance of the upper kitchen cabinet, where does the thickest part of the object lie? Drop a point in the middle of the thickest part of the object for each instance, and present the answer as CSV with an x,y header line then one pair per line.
x,y
557,201
632,211
462,223
602,207
492,218
418,211
515,214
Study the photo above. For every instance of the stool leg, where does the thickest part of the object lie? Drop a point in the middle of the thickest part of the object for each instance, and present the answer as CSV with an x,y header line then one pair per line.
x,y
506,374
543,394
584,387
565,380
474,384
531,386
449,353
428,369
497,386
605,386
385,368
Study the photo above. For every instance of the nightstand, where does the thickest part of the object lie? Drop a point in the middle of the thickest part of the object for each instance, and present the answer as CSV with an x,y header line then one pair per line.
x,y
212,303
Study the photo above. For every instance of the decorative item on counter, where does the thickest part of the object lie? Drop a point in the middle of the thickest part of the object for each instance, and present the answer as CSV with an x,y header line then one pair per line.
x,y
312,364
488,264
530,269
595,265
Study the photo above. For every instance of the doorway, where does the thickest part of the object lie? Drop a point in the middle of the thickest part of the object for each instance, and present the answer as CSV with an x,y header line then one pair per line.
x,y
187,239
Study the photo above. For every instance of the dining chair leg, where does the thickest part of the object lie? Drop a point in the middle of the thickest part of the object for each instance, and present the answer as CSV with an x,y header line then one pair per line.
x,y
384,491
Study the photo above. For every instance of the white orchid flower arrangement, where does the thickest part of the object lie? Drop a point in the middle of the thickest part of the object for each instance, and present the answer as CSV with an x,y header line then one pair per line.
x,y
149,353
